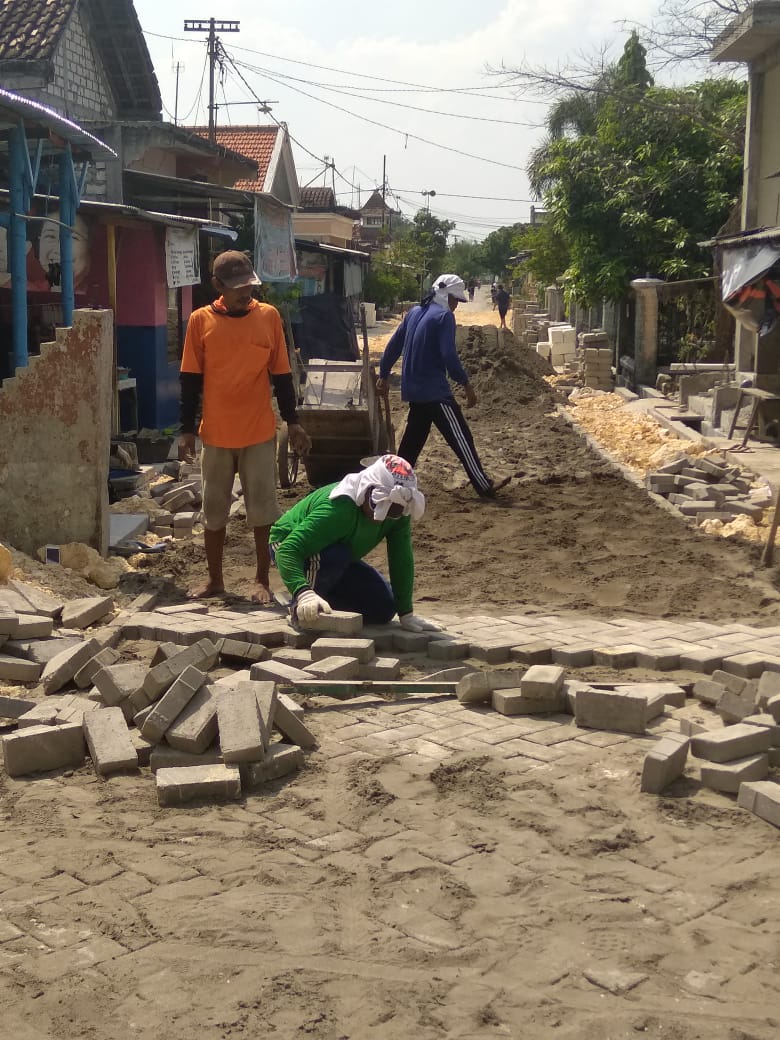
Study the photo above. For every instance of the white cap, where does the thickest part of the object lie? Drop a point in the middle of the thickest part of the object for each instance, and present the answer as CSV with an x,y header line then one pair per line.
x,y
450,285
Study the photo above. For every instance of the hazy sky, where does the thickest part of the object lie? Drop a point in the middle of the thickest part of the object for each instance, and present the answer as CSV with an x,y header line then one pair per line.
x,y
378,58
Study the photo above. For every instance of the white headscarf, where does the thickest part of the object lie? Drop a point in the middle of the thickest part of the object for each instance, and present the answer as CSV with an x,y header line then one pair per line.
x,y
448,285
393,481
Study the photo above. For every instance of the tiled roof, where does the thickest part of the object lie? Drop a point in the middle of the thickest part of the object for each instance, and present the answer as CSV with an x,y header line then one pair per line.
x,y
317,198
255,142
30,29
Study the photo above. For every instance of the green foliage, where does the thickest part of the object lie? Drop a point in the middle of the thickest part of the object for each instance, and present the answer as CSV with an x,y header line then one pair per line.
x,y
386,285
549,255
465,259
429,234
659,173
497,249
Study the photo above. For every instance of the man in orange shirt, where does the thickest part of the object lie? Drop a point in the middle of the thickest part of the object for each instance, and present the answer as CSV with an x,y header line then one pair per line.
x,y
234,351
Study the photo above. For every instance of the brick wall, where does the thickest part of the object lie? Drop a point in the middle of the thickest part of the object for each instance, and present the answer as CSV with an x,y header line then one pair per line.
x,y
80,86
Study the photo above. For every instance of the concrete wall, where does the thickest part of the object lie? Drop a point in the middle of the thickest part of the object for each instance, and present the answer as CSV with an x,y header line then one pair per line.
x,y
55,433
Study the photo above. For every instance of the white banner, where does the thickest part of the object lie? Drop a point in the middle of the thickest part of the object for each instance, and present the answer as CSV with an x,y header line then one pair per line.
x,y
182,256
274,245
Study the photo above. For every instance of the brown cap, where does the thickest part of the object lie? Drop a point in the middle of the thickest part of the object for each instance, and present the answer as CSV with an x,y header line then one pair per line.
x,y
234,270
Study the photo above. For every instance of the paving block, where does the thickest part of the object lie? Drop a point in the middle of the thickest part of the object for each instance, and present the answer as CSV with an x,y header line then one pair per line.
x,y
701,659
172,703
195,728
280,760
337,623
37,749
9,621
81,613
730,680
240,733
14,707
762,798
334,668
474,688
40,650
673,695
202,656
109,742
85,676
118,682
573,656
18,669
38,600
664,763
75,708
448,649
727,776
708,692
34,626
277,672
44,714
361,650
768,722
484,650
768,686
143,747
292,728
772,706
61,669
532,653
239,651
612,710
289,655
542,681
176,786
291,704
164,652
162,756
381,668
621,656
658,659
412,642
733,707
267,697
516,702
748,665
731,743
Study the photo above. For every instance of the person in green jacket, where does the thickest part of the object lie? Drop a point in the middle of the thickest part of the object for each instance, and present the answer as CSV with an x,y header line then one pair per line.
x,y
319,546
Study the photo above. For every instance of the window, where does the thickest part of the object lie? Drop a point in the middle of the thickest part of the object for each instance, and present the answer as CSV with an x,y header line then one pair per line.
x,y
373,221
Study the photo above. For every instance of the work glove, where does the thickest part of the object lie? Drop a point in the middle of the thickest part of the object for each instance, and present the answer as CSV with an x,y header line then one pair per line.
x,y
309,605
411,623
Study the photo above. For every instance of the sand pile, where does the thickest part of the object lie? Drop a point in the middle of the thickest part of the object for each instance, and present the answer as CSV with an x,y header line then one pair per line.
x,y
503,372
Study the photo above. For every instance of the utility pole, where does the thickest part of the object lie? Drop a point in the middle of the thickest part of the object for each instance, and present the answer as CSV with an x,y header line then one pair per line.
x,y
384,188
211,26
177,69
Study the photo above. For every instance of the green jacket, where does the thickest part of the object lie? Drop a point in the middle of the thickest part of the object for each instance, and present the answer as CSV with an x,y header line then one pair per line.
x,y
318,521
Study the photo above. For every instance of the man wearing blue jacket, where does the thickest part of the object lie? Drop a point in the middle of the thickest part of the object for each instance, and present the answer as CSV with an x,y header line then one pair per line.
x,y
426,338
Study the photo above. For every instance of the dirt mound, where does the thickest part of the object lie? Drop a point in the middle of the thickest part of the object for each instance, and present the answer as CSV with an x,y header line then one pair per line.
x,y
503,372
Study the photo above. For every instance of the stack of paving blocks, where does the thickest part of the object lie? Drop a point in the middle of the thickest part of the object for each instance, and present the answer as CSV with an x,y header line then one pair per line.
x,y
180,498
704,488
596,363
560,345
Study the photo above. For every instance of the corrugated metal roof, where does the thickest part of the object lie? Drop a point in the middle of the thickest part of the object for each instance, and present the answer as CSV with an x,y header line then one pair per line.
x,y
743,238
13,107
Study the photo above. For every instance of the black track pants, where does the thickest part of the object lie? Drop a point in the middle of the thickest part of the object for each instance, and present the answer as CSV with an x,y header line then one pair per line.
x,y
448,419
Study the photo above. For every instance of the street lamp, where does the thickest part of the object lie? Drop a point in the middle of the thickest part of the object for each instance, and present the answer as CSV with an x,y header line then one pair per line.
x,y
428,195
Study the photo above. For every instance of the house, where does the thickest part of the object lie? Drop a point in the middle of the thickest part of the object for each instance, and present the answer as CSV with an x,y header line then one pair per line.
x,y
376,221
88,59
319,218
753,39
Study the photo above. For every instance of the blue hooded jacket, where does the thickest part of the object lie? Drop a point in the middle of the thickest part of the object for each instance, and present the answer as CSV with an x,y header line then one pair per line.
x,y
426,337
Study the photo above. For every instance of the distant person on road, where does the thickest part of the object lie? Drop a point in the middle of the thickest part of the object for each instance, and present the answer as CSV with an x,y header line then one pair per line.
x,y
472,285
319,546
493,292
426,338
503,300
234,351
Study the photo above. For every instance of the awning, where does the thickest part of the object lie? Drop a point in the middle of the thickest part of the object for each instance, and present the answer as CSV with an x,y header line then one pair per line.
x,y
13,107
326,247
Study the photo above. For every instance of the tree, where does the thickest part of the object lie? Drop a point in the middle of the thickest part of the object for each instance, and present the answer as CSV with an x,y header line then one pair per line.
x,y
465,259
548,255
497,249
429,235
659,174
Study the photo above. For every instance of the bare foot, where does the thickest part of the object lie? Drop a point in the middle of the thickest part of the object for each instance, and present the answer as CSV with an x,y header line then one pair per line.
x,y
207,589
262,595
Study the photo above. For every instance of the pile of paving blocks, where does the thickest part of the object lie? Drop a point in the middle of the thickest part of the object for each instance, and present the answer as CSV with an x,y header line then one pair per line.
x,y
596,360
212,714
705,489
178,500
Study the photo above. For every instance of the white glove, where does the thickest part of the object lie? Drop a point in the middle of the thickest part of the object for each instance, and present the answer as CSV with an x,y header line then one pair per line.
x,y
309,605
412,623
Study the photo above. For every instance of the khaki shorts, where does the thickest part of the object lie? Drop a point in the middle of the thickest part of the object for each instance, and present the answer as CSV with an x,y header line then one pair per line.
x,y
256,468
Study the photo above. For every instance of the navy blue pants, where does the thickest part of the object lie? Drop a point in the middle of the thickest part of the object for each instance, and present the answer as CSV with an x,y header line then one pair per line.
x,y
448,419
351,585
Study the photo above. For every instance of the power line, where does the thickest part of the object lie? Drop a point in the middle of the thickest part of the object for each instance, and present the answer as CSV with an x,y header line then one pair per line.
x,y
392,129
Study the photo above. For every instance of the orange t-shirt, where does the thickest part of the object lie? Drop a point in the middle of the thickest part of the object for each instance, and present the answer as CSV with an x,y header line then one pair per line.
x,y
236,356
